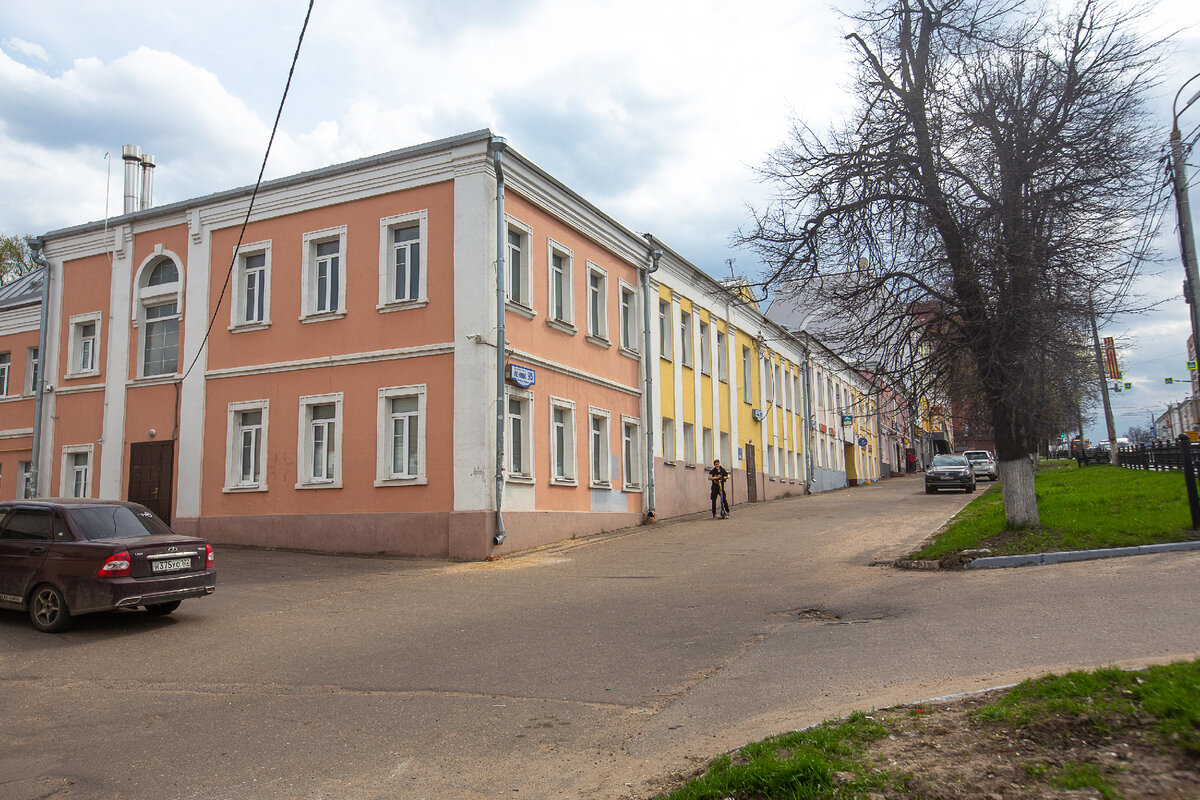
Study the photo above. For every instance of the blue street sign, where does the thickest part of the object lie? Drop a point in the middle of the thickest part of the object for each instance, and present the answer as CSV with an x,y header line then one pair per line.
x,y
521,376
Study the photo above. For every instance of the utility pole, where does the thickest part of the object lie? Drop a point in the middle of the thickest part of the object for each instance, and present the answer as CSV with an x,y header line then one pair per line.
x,y
1187,243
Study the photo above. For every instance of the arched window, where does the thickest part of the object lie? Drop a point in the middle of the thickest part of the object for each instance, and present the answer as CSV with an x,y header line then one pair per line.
x,y
159,302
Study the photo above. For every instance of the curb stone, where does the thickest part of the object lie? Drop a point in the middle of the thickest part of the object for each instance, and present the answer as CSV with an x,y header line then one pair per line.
x,y
1062,557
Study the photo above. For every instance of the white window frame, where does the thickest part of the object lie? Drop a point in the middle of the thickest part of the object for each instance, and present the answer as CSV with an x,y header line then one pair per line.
x,y
689,444
747,375
524,398
685,338
5,372
722,356
668,440
237,309
32,369
387,260
148,297
726,448
304,444
631,453
570,445
308,276
603,458
597,304
705,348
523,302
706,445
628,317
24,479
565,322
76,368
666,330
69,470
233,446
384,475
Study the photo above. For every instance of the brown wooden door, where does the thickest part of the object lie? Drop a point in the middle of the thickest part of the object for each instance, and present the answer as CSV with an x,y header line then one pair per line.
x,y
150,470
751,475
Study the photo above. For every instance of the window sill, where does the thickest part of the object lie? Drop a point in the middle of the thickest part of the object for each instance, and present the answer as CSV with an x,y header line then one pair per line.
x,y
246,327
420,480
72,376
526,479
631,489
322,485
563,482
634,354
687,465
561,325
599,340
600,485
323,316
154,380
662,357
520,309
670,464
244,489
401,305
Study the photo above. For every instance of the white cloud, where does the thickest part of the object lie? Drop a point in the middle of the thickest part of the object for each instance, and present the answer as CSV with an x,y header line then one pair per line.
x,y
29,49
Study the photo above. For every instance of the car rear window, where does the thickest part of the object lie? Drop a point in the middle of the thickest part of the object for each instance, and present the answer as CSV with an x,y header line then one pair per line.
x,y
115,522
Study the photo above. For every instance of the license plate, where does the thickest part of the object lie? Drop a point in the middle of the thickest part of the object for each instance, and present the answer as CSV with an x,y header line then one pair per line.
x,y
170,564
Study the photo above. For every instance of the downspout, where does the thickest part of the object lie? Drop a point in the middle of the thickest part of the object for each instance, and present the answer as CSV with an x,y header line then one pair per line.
x,y
499,144
655,254
36,246
807,405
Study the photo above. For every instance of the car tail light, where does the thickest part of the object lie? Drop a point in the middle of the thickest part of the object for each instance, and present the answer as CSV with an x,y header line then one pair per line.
x,y
208,556
117,566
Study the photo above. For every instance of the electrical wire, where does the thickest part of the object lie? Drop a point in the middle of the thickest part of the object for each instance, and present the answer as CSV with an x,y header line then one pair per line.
x,y
253,195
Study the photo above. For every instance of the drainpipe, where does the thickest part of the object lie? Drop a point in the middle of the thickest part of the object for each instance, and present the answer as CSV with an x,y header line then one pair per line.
x,y
807,404
36,246
655,254
499,145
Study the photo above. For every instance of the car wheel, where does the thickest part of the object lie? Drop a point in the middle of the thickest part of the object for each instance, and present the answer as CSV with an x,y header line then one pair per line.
x,y
48,610
162,609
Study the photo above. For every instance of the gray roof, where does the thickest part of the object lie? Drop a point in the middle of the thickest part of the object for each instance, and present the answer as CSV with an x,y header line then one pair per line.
x,y
25,290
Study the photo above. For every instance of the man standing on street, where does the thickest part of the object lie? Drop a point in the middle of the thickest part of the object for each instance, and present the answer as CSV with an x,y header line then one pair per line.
x,y
717,476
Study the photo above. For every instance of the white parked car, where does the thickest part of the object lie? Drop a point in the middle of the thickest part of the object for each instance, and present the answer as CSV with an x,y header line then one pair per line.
x,y
984,464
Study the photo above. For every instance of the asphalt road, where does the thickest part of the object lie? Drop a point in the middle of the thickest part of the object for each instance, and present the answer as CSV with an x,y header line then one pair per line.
x,y
589,669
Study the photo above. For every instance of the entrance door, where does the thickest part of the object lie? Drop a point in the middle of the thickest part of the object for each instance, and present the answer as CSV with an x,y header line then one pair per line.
x,y
751,475
150,472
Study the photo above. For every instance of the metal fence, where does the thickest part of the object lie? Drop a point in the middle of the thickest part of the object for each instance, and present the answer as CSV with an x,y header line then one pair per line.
x,y
1159,456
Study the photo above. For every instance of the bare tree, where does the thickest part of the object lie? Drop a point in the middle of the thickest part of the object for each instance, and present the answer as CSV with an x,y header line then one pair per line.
x,y
994,177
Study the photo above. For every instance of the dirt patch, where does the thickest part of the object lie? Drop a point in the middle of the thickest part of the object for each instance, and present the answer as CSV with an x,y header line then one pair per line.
x,y
940,750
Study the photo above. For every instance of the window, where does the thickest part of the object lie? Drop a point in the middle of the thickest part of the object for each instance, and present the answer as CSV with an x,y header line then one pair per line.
x,y
598,447
631,437
82,356
518,435
157,314
252,301
769,461
246,446
562,305
597,302
665,331
320,446
768,372
726,451
562,441
518,265
25,485
629,321
76,470
706,439
747,376
668,439
685,336
722,357
323,285
31,370
401,436
705,349
402,259
689,443
5,365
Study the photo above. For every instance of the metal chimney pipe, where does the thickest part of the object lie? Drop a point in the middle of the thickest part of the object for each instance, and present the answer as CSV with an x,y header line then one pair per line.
x,y
132,155
147,181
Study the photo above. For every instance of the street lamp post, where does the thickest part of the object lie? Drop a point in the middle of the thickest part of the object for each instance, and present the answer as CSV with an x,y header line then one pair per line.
x,y
1187,244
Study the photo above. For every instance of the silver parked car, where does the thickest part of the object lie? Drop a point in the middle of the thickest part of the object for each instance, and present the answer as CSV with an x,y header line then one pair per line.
x,y
984,464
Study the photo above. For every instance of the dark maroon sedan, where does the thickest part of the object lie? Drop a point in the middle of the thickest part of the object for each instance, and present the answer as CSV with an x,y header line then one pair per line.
x,y
60,558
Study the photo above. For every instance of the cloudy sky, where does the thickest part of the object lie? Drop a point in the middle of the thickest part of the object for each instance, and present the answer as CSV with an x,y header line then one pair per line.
x,y
657,111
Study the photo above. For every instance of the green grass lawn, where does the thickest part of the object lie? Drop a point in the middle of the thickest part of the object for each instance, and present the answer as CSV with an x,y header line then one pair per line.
x,y
1080,509
1055,731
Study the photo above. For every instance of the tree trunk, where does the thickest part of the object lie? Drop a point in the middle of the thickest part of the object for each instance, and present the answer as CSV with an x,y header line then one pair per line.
x,y
1020,499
